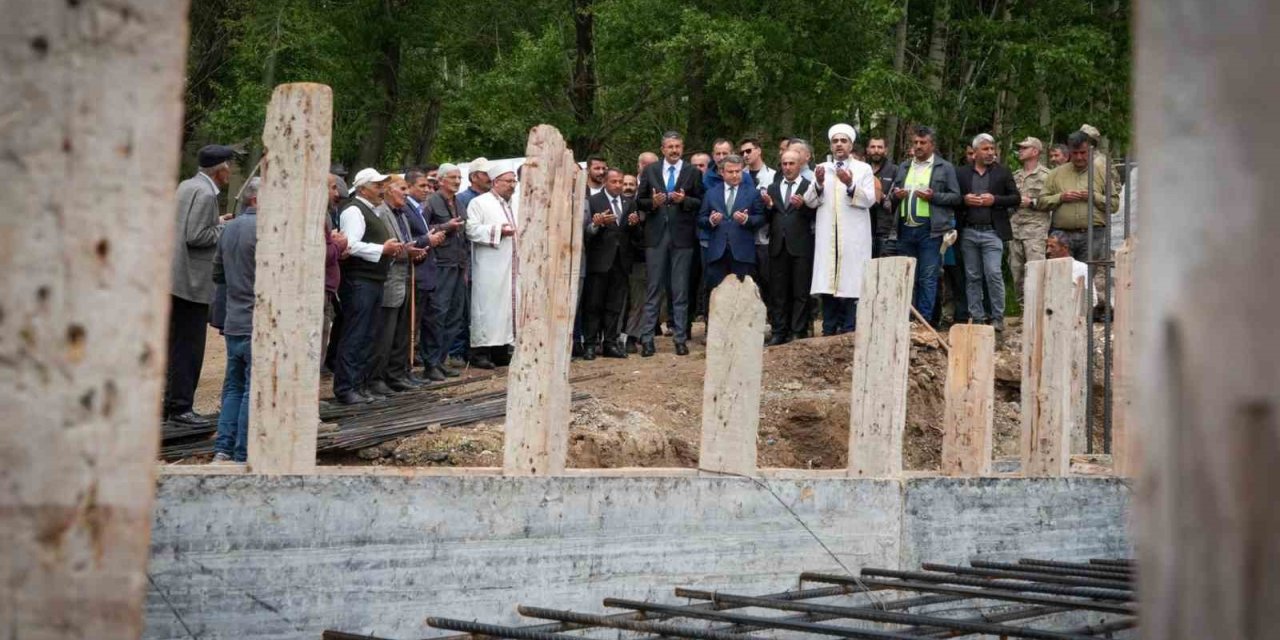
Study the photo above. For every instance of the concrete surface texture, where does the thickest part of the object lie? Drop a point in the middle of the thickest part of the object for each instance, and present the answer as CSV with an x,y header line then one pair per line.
x,y
287,557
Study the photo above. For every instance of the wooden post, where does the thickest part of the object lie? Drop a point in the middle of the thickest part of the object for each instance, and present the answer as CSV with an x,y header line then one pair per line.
x,y
970,398
1080,367
1123,436
549,246
731,386
1208,361
882,351
92,130
1047,339
289,280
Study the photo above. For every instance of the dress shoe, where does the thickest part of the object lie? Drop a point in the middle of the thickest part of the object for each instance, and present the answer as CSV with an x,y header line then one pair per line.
x,y
417,380
612,350
779,339
373,397
482,361
588,353
449,373
577,350
401,386
997,324
682,349
647,349
193,418
380,388
434,374
633,345
351,397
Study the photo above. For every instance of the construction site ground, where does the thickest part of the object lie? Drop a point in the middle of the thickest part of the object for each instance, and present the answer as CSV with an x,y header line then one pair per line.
x,y
647,412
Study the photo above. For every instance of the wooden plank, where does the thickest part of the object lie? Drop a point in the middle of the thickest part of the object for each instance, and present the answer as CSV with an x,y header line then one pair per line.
x,y
970,401
289,280
882,352
537,424
1208,361
92,129
1079,369
731,386
1124,450
1049,322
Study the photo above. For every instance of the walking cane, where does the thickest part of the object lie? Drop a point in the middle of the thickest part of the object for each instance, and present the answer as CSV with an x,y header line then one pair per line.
x,y
413,313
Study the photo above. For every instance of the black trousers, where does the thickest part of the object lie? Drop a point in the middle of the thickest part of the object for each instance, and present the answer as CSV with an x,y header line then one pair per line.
x,y
448,312
187,331
760,273
720,269
605,299
361,317
790,280
426,324
391,350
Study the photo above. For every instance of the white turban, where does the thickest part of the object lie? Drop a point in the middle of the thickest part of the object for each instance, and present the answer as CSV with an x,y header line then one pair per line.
x,y
842,128
496,169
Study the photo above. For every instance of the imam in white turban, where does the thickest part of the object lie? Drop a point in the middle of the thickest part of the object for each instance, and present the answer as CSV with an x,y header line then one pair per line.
x,y
842,128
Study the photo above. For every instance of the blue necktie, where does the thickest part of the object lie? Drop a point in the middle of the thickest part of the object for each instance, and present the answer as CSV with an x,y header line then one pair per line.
x,y
671,178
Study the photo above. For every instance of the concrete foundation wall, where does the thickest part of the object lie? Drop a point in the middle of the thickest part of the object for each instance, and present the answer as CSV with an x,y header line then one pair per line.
x,y
259,557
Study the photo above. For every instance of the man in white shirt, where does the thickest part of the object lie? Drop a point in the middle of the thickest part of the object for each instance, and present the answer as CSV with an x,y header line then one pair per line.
x,y
370,250
1058,245
761,176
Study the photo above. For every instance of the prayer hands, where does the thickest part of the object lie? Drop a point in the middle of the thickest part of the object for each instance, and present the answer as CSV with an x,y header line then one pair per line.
x,y
926,195
797,201
416,254
659,198
766,198
740,216
597,219
845,176
339,239
899,194
677,196
226,217
392,247
820,173
1026,200
436,239
716,218
633,219
508,231
455,224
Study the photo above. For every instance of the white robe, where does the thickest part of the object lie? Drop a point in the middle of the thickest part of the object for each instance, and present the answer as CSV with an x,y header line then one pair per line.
x,y
842,232
494,268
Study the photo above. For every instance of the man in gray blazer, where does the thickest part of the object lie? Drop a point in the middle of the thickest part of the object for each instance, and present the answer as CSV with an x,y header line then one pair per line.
x,y
195,241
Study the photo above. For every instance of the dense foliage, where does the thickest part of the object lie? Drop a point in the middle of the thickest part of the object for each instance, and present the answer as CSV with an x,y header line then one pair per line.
x,y
422,80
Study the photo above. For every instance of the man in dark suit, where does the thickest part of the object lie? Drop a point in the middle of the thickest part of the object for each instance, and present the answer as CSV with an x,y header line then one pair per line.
x,y
613,221
989,190
669,196
198,228
731,213
424,271
790,207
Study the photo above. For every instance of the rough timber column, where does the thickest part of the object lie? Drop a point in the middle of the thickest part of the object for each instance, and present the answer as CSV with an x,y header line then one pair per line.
x,y
1048,339
731,388
91,94
289,280
1208,359
970,398
881,355
549,245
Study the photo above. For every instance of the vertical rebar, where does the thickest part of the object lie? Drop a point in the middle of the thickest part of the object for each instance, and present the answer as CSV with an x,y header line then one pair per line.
x,y
1088,356
1128,188
1108,272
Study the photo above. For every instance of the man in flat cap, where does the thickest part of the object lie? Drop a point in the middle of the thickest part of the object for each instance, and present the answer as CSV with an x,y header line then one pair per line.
x,y
191,290
491,227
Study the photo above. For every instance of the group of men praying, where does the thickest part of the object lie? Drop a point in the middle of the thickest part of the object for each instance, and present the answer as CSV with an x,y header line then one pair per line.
x,y
412,258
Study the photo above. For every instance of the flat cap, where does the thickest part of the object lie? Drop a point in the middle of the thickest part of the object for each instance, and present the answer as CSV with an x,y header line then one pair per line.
x,y
214,155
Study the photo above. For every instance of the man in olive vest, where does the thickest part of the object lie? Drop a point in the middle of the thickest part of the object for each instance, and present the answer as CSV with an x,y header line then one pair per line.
x,y
370,251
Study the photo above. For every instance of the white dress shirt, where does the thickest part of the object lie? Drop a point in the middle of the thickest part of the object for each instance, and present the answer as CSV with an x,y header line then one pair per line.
x,y
352,223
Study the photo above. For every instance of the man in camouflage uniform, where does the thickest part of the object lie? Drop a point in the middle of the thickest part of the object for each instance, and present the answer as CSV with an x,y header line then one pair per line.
x,y
1030,227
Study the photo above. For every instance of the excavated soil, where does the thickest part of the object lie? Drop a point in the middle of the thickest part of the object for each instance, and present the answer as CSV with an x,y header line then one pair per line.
x,y
647,412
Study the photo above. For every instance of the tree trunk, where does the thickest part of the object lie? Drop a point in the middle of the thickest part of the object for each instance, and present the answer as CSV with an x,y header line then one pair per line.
x,y
585,140
938,44
696,80
899,66
426,138
386,78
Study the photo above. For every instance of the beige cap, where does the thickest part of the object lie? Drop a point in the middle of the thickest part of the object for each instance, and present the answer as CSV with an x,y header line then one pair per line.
x,y
1091,131
1031,142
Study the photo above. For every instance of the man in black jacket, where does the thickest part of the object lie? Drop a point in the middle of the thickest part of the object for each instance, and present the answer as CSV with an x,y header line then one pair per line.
x,y
668,200
613,221
449,301
882,222
988,190
790,206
